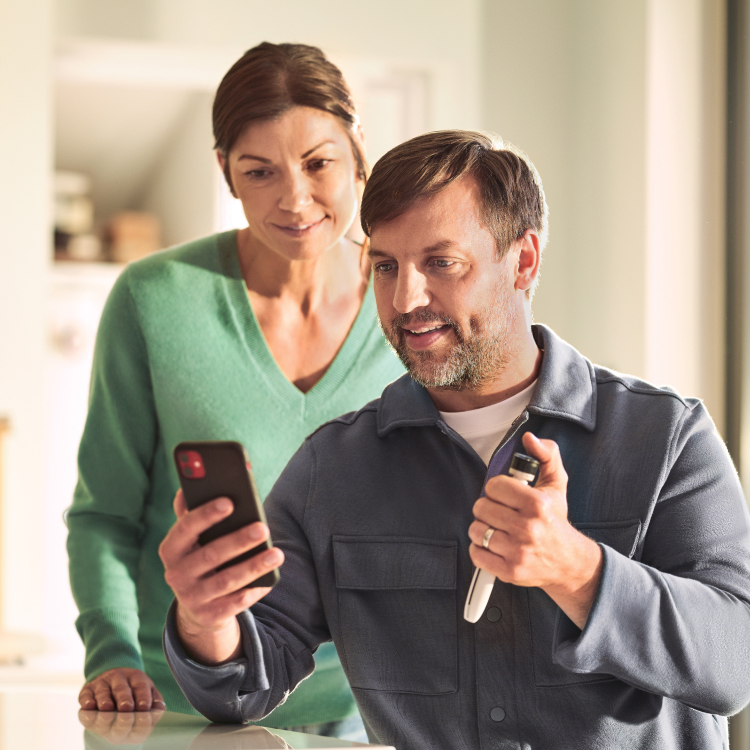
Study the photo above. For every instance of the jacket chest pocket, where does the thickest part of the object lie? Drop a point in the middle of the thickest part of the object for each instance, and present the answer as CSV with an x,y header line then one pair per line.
x,y
398,613
621,536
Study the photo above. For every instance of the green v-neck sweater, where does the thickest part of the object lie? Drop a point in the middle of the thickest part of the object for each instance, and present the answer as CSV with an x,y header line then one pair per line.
x,y
180,356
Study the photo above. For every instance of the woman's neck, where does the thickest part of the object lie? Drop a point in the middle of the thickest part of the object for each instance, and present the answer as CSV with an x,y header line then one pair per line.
x,y
341,271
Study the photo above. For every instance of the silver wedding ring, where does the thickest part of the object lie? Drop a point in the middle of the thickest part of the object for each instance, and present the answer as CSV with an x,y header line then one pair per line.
x,y
487,536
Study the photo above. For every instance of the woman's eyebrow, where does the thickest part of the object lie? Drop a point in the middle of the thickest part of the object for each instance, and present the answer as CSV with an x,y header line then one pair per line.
x,y
268,161
314,148
255,158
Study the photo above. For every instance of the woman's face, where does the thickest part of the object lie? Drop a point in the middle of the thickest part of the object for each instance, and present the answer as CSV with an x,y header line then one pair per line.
x,y
296,177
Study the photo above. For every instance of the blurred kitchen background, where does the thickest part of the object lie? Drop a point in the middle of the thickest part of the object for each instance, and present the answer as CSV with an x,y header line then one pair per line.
x,y
635,113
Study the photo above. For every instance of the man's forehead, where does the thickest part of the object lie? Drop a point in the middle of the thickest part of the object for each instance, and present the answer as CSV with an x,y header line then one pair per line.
x,y
433,222
459,198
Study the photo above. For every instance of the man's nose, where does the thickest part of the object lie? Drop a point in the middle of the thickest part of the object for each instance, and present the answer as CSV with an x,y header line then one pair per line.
x,y
411,290
295,193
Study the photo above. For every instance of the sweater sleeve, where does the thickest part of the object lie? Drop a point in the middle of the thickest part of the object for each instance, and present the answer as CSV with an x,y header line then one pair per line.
x,y
105,523
675,623
279,634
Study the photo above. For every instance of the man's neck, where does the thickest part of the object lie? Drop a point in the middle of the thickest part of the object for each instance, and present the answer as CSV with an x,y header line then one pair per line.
x,y
518,375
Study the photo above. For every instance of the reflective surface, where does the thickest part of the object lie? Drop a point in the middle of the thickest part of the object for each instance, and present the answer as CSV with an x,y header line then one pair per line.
x,y
44,720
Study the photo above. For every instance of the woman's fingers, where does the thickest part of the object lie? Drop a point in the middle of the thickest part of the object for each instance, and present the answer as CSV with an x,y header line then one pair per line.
x,y
123,689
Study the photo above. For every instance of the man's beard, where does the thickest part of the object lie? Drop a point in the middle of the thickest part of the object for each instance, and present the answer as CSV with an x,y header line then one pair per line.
x,y
476,358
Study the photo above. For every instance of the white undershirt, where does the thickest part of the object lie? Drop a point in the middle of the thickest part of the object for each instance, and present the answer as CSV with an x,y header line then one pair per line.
x,y
484,428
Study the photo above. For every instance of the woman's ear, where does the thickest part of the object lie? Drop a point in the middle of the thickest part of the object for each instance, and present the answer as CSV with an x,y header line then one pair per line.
x,y
358,144
224,165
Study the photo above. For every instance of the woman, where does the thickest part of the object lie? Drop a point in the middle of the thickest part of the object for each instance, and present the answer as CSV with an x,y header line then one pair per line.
x,y
257,335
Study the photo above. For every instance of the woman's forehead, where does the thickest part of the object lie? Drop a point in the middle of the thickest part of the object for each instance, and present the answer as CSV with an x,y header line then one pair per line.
x,y
298,130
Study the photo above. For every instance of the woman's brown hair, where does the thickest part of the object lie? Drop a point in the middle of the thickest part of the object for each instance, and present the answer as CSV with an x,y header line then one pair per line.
x,y
270,79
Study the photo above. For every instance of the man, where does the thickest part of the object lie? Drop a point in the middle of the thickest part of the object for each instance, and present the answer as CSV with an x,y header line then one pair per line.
x,y
620,615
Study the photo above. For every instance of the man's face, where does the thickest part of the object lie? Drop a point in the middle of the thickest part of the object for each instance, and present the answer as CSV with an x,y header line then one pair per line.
x,y
447,305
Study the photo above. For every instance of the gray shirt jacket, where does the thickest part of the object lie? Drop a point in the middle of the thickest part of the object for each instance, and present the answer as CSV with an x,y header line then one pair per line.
x,y
372,514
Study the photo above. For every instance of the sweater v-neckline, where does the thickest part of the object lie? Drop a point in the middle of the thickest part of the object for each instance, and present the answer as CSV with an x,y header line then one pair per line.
x,y
259,351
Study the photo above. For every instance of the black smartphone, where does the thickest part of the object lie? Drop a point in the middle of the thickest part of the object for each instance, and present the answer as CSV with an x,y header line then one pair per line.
x,y
220,468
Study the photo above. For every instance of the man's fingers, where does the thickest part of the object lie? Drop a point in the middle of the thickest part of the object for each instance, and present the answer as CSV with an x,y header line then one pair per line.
x,y
479,531
551,470
183,536
179,505
195,569
211,597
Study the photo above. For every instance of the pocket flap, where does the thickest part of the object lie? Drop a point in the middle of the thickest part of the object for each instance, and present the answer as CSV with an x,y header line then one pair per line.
x,y
622,536
369,562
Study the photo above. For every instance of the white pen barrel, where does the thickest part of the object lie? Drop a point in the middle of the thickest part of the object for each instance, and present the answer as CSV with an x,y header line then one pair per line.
x,y
479,594
523,469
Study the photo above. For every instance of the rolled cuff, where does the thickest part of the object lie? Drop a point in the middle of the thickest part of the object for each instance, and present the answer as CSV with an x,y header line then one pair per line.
x,y
215,691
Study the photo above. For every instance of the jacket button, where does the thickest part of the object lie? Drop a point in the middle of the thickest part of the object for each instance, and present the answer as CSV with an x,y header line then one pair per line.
x,y
497,714
494,614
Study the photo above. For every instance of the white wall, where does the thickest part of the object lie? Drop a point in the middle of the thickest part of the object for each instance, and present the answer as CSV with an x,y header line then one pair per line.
x,y
25,231
619,106
181,189
685,199
565,82
447,31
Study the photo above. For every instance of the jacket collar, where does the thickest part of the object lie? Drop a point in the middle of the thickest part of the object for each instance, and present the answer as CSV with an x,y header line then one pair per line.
x,y
565,390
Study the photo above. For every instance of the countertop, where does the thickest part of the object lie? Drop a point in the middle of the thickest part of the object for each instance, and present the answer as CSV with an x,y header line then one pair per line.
x,y
44,718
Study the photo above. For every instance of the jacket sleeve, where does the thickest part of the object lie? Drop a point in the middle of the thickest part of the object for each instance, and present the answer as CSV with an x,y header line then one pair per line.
x,y
105,520
279,634
676,623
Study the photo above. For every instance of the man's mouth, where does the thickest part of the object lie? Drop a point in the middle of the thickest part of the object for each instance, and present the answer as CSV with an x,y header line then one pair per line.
x,y
423,331
424,337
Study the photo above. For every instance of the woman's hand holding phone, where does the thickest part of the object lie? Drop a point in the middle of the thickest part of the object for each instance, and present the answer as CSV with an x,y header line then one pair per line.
x,y
209,600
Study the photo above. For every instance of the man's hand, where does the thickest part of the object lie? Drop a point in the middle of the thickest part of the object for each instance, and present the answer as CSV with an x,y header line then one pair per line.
x,y
534,544
121,690
208,601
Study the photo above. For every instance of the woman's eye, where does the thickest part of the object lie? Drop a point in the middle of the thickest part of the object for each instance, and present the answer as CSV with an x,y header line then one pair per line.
x,y
318,164
257,174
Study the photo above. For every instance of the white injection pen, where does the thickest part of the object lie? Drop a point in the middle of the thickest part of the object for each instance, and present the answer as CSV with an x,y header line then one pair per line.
x,y
524,469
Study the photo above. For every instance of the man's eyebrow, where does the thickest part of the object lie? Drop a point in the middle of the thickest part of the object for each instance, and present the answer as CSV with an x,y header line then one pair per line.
x,y
435,248
268,161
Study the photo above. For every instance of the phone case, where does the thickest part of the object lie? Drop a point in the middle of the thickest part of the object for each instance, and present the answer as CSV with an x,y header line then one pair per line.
x,y
221,468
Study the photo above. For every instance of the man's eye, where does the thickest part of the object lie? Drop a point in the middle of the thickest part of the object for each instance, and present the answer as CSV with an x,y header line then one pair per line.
x,y
383,267
443,263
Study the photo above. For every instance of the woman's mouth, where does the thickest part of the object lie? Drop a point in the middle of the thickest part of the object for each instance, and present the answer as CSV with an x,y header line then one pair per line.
x,y
302,229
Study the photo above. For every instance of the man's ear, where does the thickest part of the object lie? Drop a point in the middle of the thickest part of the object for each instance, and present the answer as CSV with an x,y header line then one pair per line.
x,y
529,257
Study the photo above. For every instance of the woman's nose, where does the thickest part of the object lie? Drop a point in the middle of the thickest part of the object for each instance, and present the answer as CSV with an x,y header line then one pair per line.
x,y
295,193
411,290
